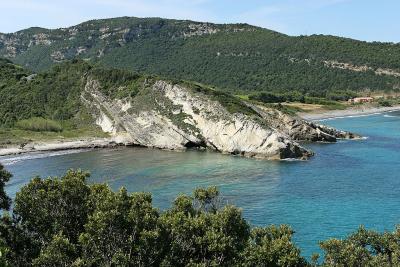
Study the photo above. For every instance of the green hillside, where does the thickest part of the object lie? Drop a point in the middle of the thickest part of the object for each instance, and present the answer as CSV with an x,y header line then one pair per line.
x,y
50,105
43,106
56,94
234,57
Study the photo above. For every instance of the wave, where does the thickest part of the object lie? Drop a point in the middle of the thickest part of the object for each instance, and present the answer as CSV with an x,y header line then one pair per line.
x,y
11,160
390,116
292,159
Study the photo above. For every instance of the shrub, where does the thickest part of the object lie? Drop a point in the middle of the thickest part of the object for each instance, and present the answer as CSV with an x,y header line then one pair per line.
x,y
267,97
38,124
384,103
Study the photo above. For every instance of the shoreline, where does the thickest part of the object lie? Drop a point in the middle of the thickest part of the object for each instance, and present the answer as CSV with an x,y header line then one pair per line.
x,y
354,111
92,143
58,146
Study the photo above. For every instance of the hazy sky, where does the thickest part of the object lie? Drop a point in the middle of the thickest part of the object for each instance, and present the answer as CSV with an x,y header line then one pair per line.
x,y
371,20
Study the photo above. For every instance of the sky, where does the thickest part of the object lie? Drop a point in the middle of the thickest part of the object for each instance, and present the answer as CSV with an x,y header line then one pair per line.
x,y
369,20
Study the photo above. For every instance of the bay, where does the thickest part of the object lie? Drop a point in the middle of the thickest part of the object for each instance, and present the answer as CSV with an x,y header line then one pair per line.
x,y
345,185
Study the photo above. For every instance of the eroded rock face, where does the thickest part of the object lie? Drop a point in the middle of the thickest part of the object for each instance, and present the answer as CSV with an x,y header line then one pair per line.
x,y
299,129
176,117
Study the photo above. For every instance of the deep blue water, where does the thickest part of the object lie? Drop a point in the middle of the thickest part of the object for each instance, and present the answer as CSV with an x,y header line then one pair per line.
x,y
345,185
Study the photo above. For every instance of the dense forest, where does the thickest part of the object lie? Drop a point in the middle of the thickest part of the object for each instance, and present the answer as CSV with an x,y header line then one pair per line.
x,y
80,224
234,57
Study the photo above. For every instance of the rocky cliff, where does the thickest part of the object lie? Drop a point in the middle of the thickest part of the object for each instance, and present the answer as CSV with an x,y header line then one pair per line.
x,y
174,116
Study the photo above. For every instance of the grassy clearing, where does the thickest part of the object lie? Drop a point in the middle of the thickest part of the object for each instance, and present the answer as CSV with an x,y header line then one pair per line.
x,y
15,136
81,126
37,124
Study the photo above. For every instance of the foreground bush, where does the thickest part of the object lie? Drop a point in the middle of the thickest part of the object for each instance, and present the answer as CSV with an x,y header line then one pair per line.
x,y
67,222
39,125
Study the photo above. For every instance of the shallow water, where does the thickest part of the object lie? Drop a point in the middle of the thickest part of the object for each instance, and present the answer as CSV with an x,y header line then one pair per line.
x,y
344,185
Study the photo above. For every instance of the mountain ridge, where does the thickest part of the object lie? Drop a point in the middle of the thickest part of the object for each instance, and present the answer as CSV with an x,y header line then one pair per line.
x,y
198,21
234,57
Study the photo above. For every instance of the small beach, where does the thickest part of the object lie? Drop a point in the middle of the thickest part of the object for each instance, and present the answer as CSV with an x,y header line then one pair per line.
x,y
363,110
57,146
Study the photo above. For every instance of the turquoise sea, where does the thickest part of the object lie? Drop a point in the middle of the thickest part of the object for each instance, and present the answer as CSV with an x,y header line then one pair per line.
x,y
345,185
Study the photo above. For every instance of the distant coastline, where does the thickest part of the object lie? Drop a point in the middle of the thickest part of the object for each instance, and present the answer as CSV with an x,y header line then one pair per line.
x,y
354,111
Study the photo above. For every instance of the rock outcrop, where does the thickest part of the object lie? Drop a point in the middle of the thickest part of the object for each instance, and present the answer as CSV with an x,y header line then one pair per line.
x,y
171,116
174,116
299,129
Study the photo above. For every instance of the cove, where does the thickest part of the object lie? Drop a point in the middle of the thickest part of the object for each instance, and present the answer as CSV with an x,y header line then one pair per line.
x,y
345,185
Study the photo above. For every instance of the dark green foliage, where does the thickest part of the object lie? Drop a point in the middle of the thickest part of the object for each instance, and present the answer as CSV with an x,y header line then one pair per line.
x,y
59,252
327,98
267,97
5,201
364,248
62,207
123,230
233,57
341,95
384,103
272,246
53,95
19,247
119,83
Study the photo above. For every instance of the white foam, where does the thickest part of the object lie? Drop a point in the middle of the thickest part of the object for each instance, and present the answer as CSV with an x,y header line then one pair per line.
x,y
292,159
390,116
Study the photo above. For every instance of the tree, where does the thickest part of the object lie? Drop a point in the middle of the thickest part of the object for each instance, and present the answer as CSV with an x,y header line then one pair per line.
x,y
267,97
272,246
201,233
364,248
59,252
207,199
50,206
5,201
123,230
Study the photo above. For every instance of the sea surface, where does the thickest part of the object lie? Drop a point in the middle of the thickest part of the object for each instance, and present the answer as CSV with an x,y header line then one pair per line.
x,y
345,185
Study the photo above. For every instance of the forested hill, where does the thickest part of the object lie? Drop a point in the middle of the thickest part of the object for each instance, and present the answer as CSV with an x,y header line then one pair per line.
x,y
236,57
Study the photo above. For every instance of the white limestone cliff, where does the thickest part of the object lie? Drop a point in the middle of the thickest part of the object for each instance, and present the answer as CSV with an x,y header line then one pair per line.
x,y
178,118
